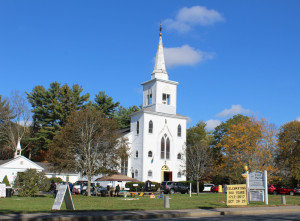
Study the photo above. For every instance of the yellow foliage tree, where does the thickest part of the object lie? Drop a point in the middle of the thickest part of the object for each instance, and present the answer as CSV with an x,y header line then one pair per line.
x,y
249,142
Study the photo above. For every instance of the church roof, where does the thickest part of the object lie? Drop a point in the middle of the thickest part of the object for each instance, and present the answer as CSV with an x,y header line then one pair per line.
x,y
149,110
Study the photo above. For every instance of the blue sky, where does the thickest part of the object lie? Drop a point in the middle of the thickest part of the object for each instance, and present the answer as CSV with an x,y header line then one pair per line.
x,y
229,56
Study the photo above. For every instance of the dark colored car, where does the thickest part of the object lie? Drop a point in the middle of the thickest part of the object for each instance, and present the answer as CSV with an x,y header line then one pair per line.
x,y
173,187
275,189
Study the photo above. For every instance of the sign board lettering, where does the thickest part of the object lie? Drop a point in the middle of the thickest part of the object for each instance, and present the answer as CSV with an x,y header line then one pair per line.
x,y
63,193
257,195
256,180
237,195
2,190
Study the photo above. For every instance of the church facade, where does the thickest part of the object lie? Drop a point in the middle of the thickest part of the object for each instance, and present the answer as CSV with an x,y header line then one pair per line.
x,y
157,133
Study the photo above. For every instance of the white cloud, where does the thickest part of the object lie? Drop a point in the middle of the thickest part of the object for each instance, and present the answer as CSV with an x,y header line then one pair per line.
x,y
235,109
184,55
298,119
26,124
189,17
212,124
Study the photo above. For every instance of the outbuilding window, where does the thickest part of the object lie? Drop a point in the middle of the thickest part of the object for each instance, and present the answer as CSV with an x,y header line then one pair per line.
x,y
150,153
137,154
150,173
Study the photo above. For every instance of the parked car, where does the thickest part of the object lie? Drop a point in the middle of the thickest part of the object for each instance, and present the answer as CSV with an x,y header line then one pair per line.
x,y
80,187
297,190
172,187
208,186
275,189
215,189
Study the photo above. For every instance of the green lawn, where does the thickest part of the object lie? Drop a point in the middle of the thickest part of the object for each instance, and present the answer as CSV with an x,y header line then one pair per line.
x,y
44,203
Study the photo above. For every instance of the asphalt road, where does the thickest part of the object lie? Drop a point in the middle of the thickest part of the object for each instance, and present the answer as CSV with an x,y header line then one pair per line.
x,y
268,217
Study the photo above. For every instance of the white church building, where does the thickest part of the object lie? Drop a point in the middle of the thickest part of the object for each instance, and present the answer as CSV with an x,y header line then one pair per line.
x,y
157,134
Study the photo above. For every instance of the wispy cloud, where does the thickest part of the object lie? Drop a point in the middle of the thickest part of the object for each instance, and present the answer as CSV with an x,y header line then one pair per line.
x,y
185,55
235,109
298,119
212,124
186,18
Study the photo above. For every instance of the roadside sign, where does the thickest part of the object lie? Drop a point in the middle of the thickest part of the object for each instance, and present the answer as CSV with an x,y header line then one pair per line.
x,y
237,195
257,195
256,180
2,190
63,193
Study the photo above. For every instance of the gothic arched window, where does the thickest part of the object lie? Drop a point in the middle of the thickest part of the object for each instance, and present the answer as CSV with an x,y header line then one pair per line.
x,y
150,127
136,173
162,148
137,154
179,131
168,149
150,153
137,127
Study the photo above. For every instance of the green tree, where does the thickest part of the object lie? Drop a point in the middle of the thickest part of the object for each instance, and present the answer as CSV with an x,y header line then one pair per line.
x,y
198,153
5,117
123,115
50,108
288,157
88,143
31,182
6,181
105,104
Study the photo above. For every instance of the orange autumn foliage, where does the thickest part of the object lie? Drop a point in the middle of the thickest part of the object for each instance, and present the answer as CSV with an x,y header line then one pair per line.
x,y
250,142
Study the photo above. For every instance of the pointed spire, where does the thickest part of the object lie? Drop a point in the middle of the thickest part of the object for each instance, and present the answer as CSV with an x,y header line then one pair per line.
x,y
160,66
19,149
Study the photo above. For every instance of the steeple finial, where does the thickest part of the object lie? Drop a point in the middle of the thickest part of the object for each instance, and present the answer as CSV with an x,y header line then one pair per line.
x,y
160,29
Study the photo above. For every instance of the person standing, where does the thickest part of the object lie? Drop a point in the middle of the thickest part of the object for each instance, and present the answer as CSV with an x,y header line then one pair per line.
x,y
117,190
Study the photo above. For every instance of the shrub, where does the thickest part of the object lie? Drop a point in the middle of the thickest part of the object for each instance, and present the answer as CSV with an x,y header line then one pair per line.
x,y
135,188
30,182
5,180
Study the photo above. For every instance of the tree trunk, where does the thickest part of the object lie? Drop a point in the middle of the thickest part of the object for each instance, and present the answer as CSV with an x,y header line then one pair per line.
x,y
89,185
197,187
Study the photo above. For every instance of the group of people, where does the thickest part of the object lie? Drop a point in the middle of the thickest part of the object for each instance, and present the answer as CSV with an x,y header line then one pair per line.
x,y
110,191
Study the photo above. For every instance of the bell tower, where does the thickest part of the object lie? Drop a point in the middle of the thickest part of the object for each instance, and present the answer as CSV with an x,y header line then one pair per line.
x,y
159,93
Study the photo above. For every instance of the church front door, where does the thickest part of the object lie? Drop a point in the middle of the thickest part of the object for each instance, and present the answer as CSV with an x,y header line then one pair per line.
x,y
167,176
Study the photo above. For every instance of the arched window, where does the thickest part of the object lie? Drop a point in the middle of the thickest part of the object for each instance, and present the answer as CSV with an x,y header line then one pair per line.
x,y
179,156
150,127
168,149
136,173
179,131
150,153
178,175
137,154
162,148
150,173
137,127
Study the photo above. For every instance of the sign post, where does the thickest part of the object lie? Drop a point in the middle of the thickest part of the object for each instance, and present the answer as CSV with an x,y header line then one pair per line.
x,y
63,193
257,186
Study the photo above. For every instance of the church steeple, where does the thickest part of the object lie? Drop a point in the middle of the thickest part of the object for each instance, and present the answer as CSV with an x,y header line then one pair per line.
x,y
19,149
160,66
